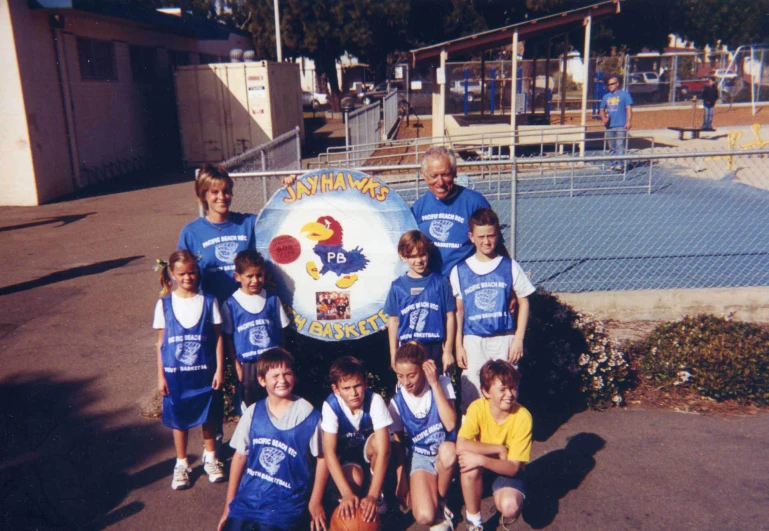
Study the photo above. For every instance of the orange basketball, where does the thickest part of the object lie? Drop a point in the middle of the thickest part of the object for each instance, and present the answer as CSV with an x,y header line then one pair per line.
x,y
354,524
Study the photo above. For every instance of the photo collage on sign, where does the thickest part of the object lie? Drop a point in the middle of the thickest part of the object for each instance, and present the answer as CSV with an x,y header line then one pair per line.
x,y
332,305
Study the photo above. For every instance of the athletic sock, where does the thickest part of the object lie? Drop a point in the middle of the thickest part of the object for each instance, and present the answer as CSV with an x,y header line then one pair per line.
x,y
208,456
182,462
474,519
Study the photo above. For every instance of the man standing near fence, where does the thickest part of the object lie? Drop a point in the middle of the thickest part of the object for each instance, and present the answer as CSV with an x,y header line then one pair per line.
x,y
709,98
616,114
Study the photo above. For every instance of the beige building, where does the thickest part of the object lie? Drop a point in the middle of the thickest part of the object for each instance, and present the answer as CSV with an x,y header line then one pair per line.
x,y
87,91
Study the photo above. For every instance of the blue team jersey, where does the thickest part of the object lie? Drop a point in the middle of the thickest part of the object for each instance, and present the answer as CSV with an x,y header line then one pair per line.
x,y
486,299
350,441
215,246
278,480
189,363
423,436
420,307
446,223
254,333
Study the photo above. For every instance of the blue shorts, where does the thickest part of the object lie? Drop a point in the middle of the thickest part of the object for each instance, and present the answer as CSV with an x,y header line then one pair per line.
x,y
235,524
424,462
493,481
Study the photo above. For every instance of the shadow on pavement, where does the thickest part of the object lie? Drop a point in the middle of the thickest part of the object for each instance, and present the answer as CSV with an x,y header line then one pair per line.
x,y
553,475
62,468
68,274
64,220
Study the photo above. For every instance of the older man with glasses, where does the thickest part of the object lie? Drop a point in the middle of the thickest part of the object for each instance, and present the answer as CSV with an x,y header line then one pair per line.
x,y
616,114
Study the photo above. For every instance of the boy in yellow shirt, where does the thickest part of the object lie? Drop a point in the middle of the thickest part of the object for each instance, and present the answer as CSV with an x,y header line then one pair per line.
x,y
494,444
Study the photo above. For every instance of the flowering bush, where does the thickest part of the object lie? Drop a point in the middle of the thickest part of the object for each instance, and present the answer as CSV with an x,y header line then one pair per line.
x,y
718,357
603,367
570,360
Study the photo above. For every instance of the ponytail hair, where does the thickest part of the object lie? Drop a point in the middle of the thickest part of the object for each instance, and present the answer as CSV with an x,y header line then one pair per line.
x,y
206,177
179,256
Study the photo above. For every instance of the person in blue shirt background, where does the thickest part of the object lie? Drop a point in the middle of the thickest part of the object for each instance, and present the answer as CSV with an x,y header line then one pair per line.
x,y
616,114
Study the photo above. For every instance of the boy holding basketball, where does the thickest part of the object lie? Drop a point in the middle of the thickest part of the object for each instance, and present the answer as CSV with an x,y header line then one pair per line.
x,y
271,474
494,444
356,441
483,285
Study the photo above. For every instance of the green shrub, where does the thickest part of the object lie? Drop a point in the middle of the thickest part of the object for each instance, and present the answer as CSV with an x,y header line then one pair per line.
x,y
569,361
719,358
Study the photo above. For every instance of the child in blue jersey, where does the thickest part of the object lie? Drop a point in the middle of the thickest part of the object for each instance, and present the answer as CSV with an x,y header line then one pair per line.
x,y
420,305
483,285
271,475
494,445
190,362
424,423
356,440
253,320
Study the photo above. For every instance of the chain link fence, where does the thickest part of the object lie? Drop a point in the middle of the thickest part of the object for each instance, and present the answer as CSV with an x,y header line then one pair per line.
x,y
670,219
390,113
364,130
251,193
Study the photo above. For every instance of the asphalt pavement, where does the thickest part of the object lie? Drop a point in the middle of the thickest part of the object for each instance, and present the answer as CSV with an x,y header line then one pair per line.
x,y
76,298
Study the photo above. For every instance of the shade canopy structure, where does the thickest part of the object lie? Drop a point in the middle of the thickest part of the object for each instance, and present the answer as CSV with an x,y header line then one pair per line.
x,y
538,28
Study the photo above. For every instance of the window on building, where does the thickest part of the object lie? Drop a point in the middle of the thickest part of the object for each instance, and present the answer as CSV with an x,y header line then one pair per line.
x,y
207,59
179,58
97,59
144,64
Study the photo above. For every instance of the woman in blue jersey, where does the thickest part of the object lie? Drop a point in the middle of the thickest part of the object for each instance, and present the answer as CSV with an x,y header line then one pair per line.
x,y
217,237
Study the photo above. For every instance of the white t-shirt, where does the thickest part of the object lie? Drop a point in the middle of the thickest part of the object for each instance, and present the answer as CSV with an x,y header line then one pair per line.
x,y
253,304
380,416
419,404
294,415
186,310
522,286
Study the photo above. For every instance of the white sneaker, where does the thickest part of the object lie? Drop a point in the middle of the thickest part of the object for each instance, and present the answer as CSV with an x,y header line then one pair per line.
x,y
471,527
507,524
214,469
181,479
446,525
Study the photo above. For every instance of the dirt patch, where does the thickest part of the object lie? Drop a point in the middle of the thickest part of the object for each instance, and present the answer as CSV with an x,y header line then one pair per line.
x,y
648,396
662,118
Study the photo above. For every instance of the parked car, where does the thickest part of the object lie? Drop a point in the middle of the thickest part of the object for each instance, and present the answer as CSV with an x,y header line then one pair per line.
x,y
646,85
473,89
314,100
688,87
379,92
723,74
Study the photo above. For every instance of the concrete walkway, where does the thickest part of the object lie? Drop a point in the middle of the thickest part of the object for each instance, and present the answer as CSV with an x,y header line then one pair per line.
x,y
78,359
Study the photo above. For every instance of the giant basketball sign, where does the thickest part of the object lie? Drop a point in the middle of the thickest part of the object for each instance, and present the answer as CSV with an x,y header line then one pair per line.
x,y
331,240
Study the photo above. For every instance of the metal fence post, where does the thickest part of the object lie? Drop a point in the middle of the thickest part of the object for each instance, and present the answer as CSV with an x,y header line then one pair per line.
x,y
347,134
298,148
513,204
263,158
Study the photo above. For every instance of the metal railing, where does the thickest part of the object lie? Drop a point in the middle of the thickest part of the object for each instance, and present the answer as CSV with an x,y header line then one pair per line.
x,y
389,114
486,145
363,131
670,219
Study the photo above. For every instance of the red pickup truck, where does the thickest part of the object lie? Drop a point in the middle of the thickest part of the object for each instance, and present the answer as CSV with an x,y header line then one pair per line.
x,y
685,89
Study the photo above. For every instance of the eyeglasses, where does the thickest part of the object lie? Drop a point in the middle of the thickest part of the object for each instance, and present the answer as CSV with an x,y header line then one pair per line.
x,y
613,84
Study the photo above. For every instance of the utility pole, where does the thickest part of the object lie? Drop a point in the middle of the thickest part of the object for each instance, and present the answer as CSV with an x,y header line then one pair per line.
x,y
277,31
